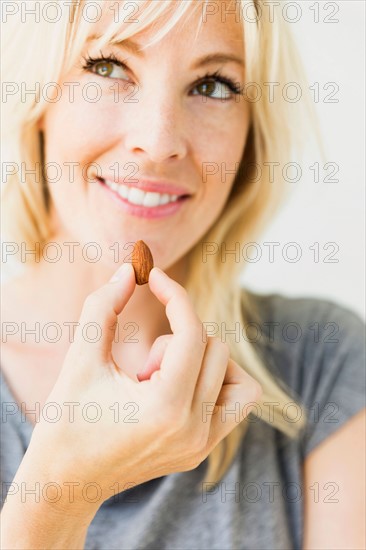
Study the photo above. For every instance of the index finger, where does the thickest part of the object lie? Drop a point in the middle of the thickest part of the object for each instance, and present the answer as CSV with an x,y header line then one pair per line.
x,y
100,310
183,357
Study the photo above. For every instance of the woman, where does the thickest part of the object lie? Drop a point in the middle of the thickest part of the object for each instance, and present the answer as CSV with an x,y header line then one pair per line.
x,y
131,419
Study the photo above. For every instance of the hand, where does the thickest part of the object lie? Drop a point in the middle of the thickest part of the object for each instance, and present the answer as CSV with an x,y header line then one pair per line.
x,y
165,428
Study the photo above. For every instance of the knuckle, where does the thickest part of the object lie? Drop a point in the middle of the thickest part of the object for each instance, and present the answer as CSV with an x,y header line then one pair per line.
x,y
197,460
192,461
187,466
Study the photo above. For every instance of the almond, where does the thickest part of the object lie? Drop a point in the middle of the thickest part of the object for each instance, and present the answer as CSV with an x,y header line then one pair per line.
x,y
142,262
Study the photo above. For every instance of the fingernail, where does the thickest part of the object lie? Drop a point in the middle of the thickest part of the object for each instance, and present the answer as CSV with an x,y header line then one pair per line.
x,y
121,272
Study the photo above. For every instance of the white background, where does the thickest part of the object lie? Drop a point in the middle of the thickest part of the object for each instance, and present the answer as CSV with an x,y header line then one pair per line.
x,y
325,212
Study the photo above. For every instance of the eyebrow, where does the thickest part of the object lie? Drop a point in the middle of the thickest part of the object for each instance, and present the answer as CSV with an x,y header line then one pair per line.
x,y
209,59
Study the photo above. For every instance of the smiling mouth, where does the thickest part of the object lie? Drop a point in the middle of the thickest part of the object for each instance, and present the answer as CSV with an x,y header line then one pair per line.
x,y
139,197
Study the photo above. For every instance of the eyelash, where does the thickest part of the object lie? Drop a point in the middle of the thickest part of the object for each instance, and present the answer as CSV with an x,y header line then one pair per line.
x,y
216,76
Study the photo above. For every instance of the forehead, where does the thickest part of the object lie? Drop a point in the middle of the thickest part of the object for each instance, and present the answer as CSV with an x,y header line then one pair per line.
x,y
202,24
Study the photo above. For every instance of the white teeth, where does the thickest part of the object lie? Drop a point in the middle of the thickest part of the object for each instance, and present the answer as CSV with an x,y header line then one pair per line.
x,y
152,199
122,190
139,197
164,199
136,196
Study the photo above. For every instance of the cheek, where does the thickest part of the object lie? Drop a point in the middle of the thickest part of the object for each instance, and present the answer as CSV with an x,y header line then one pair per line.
x,y
78,133
221,141
220,135
75,134
77,128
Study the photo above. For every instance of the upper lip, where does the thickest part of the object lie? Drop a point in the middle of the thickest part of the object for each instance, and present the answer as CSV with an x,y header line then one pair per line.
x,y
150,185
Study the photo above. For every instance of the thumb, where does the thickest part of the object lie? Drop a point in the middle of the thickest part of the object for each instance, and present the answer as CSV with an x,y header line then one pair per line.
x,y
97,324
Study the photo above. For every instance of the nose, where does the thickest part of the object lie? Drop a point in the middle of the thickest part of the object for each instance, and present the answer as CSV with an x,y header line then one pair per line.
x,y
156,129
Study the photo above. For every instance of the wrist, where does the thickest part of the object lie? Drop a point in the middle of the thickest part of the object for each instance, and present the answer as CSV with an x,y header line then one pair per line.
x,y
42,510
45,481
27,525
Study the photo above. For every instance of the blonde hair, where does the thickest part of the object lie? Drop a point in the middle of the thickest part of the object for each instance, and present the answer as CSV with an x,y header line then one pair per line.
x,y
48,48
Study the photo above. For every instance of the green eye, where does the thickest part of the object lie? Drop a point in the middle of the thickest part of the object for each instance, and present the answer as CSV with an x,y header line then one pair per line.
x,y
107,68
104,68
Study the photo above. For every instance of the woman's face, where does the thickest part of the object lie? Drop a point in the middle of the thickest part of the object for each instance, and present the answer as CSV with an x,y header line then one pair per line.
x,y
157,129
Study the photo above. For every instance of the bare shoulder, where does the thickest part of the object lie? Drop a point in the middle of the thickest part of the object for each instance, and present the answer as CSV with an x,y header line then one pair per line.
x,y
334,477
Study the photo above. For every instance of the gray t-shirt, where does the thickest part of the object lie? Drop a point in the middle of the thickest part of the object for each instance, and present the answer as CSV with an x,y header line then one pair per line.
x,y
317,348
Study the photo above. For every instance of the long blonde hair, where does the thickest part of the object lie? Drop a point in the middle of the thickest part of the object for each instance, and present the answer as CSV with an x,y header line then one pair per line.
x,y
47,48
